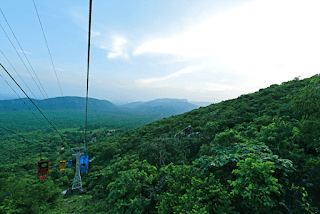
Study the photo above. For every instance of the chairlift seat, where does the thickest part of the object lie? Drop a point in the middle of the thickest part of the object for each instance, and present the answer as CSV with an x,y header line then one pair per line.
x,y
84,163
62,165
43,169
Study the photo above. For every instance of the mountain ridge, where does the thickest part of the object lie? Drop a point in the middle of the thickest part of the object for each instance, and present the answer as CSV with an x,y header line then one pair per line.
x,y
166,106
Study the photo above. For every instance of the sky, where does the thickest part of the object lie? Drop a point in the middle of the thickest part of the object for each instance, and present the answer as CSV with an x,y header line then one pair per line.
x,y
203,50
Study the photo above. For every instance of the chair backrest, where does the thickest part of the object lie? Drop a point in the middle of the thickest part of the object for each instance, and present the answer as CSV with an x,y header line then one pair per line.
x,y
43,169
62,165
84,163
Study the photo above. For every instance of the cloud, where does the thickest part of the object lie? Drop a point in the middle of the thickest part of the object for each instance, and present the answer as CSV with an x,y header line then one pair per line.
x,y
82,21
115,49
95,33
262,25
240,87
79,18
154,82
26,52
118,48
267,40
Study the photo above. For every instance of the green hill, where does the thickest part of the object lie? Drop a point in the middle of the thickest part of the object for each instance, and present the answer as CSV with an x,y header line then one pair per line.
x,y
260,150
258,153
57,103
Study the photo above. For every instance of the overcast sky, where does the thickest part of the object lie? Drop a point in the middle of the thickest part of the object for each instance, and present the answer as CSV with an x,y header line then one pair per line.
x,y
200,50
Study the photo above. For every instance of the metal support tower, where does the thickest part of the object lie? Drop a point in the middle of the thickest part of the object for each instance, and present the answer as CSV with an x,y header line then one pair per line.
x,y
77,178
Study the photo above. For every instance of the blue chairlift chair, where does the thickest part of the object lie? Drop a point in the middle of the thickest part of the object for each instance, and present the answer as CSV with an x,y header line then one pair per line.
x,y
84,163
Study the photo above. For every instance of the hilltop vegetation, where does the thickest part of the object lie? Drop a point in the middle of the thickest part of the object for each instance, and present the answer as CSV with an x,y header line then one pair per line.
x,y
258,153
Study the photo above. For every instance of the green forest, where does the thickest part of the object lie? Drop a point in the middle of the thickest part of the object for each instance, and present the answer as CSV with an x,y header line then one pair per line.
x,y
258,153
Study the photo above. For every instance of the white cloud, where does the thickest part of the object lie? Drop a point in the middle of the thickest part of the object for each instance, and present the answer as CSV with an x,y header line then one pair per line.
x,y
81,20
240,87
268,41
26,52
154,82
95,33
218,87
117,48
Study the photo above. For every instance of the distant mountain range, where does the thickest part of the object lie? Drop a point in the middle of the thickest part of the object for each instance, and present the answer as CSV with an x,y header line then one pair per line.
x,y
57,103
165,107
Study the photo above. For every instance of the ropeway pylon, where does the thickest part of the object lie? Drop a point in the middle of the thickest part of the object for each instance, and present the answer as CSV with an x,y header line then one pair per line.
x,y
77,178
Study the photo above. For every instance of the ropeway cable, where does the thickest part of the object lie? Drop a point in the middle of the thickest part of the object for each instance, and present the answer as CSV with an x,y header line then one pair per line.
x,y
33,102
88,66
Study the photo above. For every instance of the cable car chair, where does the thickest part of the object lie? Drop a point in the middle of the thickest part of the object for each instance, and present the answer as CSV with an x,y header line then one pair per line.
x,y
43,167
69,163
62,165
84,163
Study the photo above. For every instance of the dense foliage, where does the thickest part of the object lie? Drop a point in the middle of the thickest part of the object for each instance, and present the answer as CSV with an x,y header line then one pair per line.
x,y
28,121
258,153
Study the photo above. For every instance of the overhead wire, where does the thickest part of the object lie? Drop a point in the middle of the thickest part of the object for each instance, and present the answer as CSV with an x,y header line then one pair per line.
x,y
24,53
32,102
20,98
22,60
18,74
50,104
88,66
54,68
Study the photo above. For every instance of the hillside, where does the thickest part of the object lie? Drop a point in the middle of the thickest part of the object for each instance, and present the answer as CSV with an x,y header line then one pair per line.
x,y
262,144
258,153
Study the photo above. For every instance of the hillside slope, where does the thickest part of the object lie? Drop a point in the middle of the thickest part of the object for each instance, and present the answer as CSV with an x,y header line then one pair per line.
x,y
265,135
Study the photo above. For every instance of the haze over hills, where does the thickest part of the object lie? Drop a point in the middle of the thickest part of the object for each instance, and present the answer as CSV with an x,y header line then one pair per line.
x,y
58,103
6,97
119,102
166,107
202,104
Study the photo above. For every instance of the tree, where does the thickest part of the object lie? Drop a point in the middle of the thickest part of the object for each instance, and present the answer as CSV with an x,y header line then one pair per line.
x,y
307,101
255,187
184,189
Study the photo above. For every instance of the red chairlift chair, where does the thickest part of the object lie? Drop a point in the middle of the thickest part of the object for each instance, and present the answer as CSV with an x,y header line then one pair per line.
x,y
43,167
